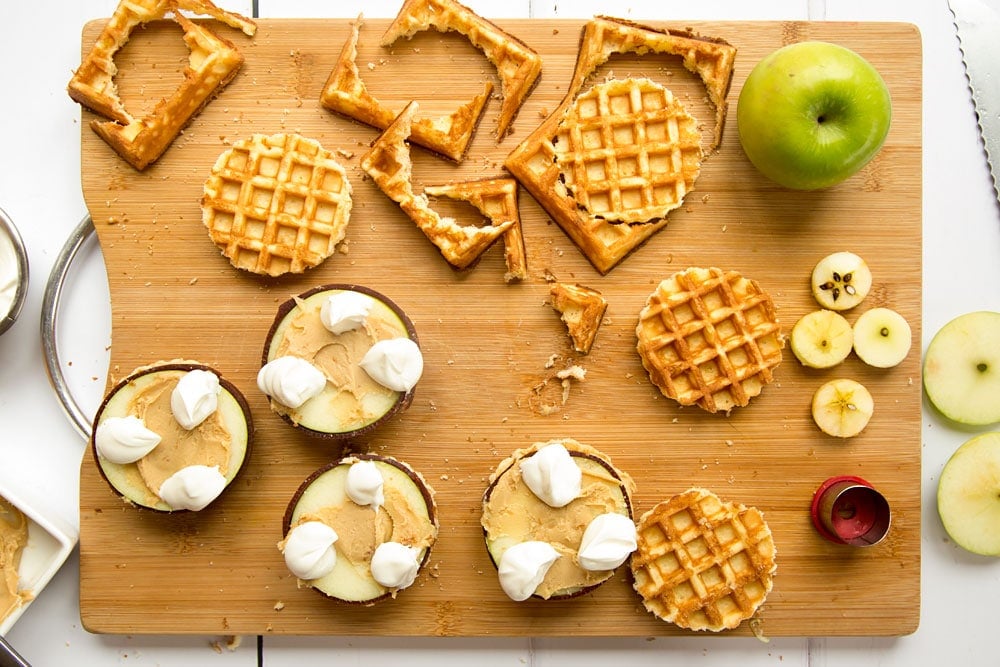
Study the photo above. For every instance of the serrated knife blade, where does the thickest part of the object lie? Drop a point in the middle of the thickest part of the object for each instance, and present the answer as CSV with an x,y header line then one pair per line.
x,y
978,25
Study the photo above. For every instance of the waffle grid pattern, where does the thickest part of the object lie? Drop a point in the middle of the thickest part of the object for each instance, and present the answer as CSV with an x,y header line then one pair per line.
x,y
277,204
703,564
628,151
710,338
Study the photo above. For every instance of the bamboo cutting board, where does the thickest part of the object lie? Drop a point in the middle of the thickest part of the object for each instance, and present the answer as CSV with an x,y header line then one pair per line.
x,y
489,346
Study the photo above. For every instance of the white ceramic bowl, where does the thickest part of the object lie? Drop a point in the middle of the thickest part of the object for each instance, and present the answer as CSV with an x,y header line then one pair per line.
x,y
50,542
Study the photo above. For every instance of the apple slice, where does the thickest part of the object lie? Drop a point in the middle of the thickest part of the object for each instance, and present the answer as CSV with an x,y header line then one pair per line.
x,y
842,407
882,337
228,432
968,495
408,516
962,369
513,514
821,339
351,403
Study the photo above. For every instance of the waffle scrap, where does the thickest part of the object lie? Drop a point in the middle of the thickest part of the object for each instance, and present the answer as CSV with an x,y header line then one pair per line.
x,y
710,338
388,164
496,198
581,310
212,63
276,204
345,93
701,563
517,65
628,151
534,162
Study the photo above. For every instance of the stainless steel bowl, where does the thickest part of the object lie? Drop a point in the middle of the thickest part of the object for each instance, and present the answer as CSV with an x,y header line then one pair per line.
x,y
10,236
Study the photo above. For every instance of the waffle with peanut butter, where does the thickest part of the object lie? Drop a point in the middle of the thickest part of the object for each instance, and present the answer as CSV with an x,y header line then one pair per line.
x,y
212,64
276,204
701,563
710,338
389,166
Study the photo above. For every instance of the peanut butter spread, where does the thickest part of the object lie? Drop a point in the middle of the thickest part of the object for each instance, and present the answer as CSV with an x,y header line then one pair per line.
x,y
13,538
350,393
513,514
207,444
360,529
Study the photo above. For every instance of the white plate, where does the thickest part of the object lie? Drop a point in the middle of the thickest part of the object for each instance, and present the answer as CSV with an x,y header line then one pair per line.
x,y
50,542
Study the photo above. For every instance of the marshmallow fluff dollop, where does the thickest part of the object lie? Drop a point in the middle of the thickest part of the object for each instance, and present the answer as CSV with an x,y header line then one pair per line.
x,y
396,363
124,439
395,565
195,397
192,487
308,550
365,484
552,475
608,540
523,566
345,311
290,380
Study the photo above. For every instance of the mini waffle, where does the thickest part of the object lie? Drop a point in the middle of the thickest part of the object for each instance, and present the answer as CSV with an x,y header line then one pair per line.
x,y
628,151
345,92
496,198
517,64
276,204
213,62
710,338
701,563
388,164
581,310
534,162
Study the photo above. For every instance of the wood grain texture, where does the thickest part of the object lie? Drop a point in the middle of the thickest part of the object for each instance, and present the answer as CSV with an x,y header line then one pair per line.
x,y
488,345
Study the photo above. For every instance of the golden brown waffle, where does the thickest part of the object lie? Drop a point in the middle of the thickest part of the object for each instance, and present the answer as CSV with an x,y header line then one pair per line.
x,y
710,338
496,198
533,162
276,204
213,62
345,92
701,563
628,151
517,64
581,310
388,164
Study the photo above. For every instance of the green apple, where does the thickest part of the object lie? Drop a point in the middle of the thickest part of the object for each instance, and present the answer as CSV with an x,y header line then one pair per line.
x,y
812,114
968,495
962,369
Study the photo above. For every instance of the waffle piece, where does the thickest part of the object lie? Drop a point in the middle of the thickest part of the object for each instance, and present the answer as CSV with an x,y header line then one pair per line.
x,y
581,310
276,204
701,563
628,151
345,93
496,198
213,62
710,338
534,162
518,66
388,164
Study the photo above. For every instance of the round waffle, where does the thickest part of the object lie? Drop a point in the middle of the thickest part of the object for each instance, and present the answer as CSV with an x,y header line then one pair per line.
x,y
628,151
701,563
276,204
710,338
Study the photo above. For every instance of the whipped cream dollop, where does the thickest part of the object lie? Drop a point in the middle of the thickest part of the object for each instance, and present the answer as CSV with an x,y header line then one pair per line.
x,y
552,475
523,567
607,542
124,439
195,397
365,484
290,380
192,487
395,565
395,363
345,311
309,551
